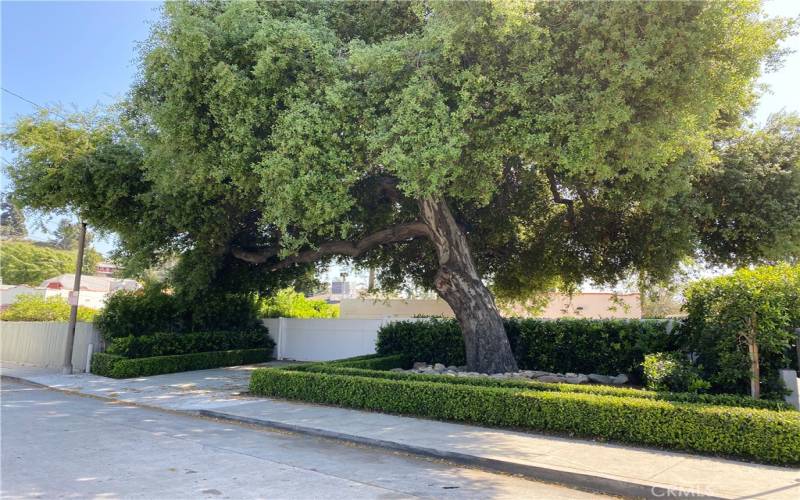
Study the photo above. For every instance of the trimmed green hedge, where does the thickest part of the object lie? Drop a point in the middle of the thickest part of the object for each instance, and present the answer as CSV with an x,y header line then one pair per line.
x,y
169,343
762,435
565,345
103,363
369,362
601,390
110,365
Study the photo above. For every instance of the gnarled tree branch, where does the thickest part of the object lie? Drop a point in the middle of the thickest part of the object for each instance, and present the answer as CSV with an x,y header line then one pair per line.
x,y
395,234
557,198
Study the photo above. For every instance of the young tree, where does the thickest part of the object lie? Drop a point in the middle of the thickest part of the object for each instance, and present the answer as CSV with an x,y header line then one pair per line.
x,y
12,221
453,144
67,235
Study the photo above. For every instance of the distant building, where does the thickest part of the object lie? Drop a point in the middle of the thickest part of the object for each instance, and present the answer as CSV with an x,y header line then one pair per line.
x,y
593,305
94,290
579,305
91,283
106,269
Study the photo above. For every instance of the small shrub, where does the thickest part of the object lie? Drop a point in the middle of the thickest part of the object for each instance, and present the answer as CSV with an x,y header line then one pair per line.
x,y
35,308
140,312
749,433
672,372
109,365
165,344
288,303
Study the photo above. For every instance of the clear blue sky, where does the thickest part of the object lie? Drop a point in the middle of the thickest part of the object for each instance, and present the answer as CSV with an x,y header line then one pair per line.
x,y
70,53
83,53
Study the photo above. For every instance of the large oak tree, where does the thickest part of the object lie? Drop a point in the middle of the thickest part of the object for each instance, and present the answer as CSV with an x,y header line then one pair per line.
x,y
452,144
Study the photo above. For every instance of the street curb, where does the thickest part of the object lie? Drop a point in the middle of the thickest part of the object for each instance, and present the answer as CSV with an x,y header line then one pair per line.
x,y
587,482
572,479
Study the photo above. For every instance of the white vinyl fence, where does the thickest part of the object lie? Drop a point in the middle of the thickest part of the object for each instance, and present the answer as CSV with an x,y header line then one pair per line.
x,y
324,339
42,343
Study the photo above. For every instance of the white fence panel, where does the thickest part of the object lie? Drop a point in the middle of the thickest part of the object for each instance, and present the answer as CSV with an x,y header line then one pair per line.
x,y
42,343
324,339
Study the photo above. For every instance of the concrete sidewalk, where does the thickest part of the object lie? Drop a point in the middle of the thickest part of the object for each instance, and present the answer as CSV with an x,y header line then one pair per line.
x,y
616,469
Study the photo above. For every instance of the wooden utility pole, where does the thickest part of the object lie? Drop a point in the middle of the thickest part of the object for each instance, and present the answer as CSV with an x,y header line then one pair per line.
x,y
73,311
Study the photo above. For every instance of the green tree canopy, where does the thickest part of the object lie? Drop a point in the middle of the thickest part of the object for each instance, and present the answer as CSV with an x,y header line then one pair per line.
x,y
751,198
452,144
28,263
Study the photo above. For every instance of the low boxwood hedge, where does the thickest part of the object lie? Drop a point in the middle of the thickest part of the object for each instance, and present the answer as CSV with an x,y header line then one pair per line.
x,y
603,390
375,365
114,366
758,434
369,362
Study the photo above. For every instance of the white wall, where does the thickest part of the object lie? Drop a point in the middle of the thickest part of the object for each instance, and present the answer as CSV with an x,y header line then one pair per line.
x,y
323,339
580,305
42,343
86,298
588,305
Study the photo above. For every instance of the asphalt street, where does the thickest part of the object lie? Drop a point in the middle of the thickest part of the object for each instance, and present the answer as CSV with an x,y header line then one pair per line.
x,y
57,445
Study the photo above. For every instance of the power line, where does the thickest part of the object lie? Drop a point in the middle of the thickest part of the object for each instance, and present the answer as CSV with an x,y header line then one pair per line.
x,y
31,102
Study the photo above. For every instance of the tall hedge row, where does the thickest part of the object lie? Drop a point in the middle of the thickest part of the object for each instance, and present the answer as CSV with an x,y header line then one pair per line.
x,y
564,345
168,344
152,310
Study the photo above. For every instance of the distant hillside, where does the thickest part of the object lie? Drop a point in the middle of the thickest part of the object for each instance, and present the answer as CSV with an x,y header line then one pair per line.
x,y
30,263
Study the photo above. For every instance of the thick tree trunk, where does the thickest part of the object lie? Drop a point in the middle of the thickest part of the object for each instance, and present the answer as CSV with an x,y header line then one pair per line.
x,y
459,284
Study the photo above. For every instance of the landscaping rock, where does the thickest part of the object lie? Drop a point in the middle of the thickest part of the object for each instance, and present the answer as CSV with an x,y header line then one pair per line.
x,y
619,379
396,370
600,379
577,379
539,376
